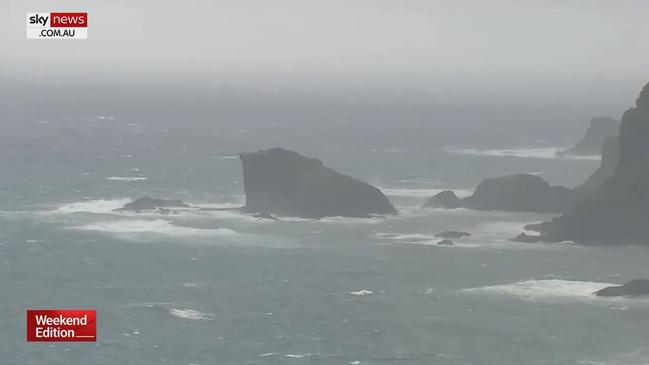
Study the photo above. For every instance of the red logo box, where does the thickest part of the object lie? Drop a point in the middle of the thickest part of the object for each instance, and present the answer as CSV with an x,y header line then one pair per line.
x,y
69,20
61,325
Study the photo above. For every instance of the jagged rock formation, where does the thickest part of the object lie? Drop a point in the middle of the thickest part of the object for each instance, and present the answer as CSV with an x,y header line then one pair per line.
x,y
285,183
610,157
452,234
513,193
617,212
633,288
148,203
600,129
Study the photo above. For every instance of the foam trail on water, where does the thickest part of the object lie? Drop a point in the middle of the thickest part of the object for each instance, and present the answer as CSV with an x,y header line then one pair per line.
x,y
544,289
421,193
98,206
126,178
543,152
191,314
158,226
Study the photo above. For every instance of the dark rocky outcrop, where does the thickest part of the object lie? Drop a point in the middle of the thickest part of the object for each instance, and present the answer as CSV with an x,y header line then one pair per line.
x,y
599,130
445,243
452,234
633,288
616,212
514,193
148,203
285,183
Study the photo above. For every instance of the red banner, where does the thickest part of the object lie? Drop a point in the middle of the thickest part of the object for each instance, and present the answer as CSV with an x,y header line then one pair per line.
x,y
61,325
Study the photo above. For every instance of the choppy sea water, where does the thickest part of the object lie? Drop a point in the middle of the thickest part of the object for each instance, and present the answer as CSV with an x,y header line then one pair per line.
x,y
220,287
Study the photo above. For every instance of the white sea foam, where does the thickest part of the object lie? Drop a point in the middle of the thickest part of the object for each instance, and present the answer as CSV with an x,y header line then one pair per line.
x,y
413,237
298,356
361,292
98,206
421,193
349,220
157,226
544,289
191,314
126,178
543,152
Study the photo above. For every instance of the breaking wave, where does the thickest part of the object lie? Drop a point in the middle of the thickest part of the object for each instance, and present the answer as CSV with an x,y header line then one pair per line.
x,y
98,206
544,289
158,226
545,152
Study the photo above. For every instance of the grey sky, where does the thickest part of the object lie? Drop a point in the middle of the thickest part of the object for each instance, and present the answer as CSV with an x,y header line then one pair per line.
x,y
338,39
593,53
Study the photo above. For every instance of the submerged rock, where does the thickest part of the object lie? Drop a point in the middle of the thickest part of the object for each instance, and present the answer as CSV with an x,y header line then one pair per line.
x,y
633,288
452,234
148,203
599,130
445,243
446,199
283,182
617,211
513,193
264,216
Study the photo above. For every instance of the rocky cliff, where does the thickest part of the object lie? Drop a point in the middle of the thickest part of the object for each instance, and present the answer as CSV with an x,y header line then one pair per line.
x,y
606,170
616,212
599,130
285,183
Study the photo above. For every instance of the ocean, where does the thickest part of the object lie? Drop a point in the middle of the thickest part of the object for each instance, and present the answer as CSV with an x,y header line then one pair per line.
x,y
221,287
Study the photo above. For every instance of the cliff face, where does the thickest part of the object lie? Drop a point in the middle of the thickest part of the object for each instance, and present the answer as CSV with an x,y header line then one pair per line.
x,y
282,182
513,193
606,170
599,130
616,212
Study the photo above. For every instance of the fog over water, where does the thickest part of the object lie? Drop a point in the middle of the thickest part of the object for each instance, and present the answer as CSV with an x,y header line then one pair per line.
x,y
414,97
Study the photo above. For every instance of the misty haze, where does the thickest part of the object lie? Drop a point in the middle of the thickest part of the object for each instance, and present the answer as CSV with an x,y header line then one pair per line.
x,y
329,182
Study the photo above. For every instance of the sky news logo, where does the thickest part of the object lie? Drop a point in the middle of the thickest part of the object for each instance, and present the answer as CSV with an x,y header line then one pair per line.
x,y
48,25
61,325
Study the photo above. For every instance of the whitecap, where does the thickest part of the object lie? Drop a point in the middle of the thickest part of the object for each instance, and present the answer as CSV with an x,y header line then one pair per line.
x,y
361,292
126,178
191,314
298,356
